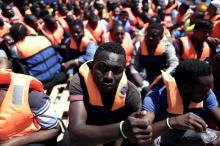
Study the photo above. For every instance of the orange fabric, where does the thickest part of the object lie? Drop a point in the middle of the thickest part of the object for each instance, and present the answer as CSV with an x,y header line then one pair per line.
x,y
4,29
215,19
84,42
54,37
31,45
30,29
174,99
94,94
16,116
189,51
63,23
158,51
216,30
126,44
97,32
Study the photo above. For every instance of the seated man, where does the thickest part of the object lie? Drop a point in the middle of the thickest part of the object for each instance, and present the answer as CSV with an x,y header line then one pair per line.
x,y
102,101
177,104
26,117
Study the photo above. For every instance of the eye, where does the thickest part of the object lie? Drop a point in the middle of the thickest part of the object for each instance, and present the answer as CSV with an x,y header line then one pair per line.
x,y
103,69
117,71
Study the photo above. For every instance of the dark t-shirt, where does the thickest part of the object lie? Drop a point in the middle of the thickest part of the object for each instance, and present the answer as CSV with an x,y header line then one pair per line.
x,y
103,115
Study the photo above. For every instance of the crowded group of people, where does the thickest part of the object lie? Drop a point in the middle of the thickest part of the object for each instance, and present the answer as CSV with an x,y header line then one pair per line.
x,y
139,72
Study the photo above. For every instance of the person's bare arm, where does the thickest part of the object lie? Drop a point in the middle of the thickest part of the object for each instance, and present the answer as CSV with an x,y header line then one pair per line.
x,y
83,134
40,136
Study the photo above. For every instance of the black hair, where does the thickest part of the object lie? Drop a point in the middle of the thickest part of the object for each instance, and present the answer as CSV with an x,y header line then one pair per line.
x,y
202,23
110,47
156,26
144,17
43,13
77,22
155,19
18,32
123,13
47,19
115,26
199,15
189,71
28,19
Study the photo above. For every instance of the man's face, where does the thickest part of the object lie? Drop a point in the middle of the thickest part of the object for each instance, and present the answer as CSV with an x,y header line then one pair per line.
x,y
202,34
123,19
201,90
118,35
9,13
107,71
153,37
77,32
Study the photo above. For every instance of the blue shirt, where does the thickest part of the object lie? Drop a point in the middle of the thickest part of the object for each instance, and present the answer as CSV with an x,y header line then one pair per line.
x,y
156,101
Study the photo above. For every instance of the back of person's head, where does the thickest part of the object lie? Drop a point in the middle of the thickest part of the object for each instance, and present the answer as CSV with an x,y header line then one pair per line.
x,y
155,19
77,22
62,8
69,19
199,15
18,32
183,7
202,23
189,71
123,13
156,27
144,17
1,22
93,18
49,20
98,6
29,19
43,13
109,47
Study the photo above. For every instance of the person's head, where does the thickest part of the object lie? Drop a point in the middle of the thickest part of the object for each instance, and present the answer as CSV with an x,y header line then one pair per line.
x,y
62,9
194,80
155,19
215,63
93,20
196,16
108,66
153,34
50,23
7,11
116,10
123,16
214,8
18,32
145,5
8,40
117,33
87,13
183,8
43,13
202,30
31,20
77,29
35,10
144,17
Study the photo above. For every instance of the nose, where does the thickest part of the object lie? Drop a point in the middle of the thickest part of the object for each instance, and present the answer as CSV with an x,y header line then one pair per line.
x,y
109,77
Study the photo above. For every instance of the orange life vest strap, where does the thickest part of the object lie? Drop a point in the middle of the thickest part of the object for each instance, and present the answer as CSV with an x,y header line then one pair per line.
x,y
94,94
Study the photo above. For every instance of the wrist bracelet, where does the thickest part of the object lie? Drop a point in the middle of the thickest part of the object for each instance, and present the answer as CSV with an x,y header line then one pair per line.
x,y
168,124
121,130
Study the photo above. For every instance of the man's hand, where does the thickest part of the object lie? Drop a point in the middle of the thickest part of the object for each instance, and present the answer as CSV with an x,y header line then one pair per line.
x,y
188,121
138,129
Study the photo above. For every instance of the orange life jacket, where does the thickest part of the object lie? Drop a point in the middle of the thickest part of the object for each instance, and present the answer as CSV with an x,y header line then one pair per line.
x,y
55,37
84,42
31,45
97,32
4,29
16,117
174,99
216,30
63,23
126,44
158,51
189,51
94,94
30,29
